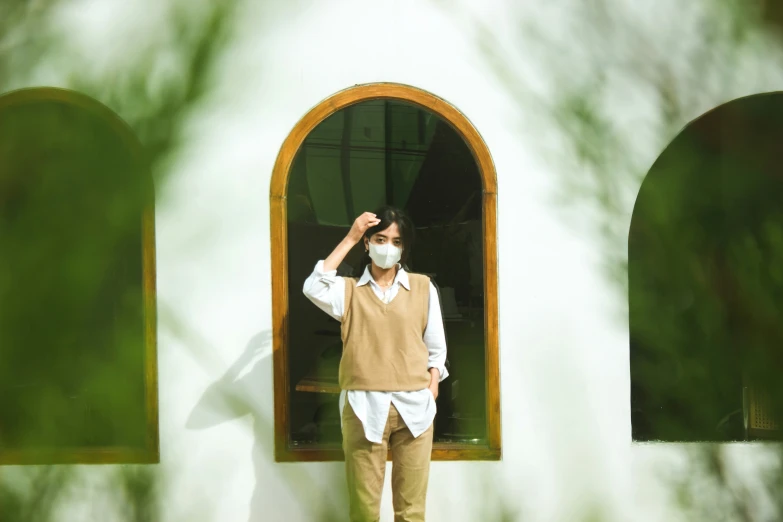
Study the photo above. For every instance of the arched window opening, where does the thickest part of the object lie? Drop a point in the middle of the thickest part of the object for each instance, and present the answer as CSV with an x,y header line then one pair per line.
x,y
365,147
78,379
705,255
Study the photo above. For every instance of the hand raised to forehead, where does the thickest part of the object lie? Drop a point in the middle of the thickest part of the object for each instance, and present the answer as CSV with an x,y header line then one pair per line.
x,y
362,224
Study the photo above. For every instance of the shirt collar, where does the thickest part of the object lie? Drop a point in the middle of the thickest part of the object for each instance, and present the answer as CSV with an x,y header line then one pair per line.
x,y
401,277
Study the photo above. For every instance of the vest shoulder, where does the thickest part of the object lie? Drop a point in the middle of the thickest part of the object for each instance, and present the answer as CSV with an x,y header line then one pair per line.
x,y
418,279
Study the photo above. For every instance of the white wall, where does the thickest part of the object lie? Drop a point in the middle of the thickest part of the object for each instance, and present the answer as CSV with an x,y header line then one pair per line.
x,y
563,360
563,351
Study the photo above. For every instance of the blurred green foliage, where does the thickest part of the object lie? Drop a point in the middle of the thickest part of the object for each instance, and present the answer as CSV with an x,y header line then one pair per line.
x,y
598,168
700,268
70,278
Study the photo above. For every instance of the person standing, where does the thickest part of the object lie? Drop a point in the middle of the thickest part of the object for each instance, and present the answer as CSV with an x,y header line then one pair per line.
x,y
394,356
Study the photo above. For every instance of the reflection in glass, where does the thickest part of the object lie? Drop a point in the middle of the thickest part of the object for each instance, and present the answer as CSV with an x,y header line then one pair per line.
x,y
366,155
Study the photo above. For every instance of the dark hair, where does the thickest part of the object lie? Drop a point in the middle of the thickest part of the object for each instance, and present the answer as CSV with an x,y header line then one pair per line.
x,y
389,216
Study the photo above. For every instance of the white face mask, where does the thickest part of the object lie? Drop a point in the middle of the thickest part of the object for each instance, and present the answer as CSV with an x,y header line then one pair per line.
x,y
386,255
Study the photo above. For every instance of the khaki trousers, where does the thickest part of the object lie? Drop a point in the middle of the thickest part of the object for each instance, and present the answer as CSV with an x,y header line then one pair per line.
x,y
365,466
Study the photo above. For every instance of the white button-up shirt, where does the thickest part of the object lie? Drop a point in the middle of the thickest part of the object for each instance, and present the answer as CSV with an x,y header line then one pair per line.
x,y
417,408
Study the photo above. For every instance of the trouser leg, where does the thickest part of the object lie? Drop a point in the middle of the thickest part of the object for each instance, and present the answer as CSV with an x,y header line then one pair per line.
x,y
365,467
410,469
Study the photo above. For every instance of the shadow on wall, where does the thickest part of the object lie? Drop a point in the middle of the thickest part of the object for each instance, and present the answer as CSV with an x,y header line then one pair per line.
x,y
241,391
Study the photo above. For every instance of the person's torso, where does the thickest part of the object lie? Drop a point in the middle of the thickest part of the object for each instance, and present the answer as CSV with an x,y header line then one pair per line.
x,y
383,345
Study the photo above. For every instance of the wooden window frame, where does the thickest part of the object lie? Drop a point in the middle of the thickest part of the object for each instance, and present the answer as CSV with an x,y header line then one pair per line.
x,y
150,454
279,247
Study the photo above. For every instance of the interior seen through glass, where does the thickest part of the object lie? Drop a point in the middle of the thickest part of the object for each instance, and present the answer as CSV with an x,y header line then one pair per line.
x,y
360,158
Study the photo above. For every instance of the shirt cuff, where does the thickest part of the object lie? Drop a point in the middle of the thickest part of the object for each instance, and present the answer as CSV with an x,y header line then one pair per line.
x,y
442,370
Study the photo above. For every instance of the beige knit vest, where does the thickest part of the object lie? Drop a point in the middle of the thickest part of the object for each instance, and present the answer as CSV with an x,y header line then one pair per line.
x,y
383,345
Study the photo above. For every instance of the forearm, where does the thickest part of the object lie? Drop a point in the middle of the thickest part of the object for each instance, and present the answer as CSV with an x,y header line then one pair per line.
x,y
339,253
435,338
434,376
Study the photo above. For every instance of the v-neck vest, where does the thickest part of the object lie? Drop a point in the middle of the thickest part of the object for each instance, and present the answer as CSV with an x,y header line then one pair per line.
x,y
383,344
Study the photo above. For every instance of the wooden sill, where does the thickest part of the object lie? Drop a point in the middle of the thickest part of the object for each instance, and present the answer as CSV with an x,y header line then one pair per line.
x,y
440,452
315,384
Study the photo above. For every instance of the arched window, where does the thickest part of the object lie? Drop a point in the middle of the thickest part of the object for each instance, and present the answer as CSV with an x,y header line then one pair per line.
x,y
78,378
363,147
705,254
